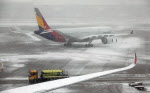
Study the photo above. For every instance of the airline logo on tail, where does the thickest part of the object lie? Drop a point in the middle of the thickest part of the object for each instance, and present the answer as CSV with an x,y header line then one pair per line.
x,y
43,27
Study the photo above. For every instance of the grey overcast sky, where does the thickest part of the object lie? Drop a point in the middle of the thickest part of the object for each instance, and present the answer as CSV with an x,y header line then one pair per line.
x,y
78,10
89,2
95,2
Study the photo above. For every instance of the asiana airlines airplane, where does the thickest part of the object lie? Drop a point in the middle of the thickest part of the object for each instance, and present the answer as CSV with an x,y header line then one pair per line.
x,y
80,34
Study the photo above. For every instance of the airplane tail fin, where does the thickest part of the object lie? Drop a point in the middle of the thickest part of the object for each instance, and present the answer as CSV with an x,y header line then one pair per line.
x,y
41,22
43,26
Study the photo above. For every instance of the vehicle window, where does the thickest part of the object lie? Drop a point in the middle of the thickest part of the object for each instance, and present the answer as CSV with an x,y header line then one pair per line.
x,y
32,74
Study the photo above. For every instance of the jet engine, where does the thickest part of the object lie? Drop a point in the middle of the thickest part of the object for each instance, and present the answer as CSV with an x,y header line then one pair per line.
x,y
108,40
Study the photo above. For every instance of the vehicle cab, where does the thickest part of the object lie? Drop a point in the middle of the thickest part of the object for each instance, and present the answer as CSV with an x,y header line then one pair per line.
x,y
33,76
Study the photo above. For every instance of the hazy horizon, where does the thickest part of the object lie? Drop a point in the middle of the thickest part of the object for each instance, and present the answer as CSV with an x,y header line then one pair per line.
x,y
78,11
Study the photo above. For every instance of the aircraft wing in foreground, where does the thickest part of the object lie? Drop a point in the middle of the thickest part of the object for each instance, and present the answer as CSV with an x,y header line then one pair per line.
x,y
51,85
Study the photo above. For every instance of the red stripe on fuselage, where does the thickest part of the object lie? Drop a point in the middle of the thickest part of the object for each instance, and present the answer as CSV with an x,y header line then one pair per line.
x,y
58,37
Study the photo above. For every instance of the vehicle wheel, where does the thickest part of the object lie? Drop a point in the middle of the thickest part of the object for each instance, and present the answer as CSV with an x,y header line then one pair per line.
x,y
34,81
30,81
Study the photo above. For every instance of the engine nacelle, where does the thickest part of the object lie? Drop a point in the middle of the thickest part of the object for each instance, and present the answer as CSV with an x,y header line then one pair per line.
x,y
108,40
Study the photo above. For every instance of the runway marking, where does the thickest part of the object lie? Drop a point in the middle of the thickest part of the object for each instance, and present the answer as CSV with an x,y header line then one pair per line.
x,y
13,78
33,37
1,66
9,29
28,34
13,30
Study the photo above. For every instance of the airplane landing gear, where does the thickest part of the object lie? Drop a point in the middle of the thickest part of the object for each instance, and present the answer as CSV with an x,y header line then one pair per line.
x,y
68,44
88,45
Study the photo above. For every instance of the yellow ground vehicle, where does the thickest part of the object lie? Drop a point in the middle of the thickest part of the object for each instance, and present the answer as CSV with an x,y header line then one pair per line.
x,y
46,75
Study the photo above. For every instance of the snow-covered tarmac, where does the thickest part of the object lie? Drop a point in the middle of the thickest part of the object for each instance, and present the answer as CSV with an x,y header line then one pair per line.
x,y
22,51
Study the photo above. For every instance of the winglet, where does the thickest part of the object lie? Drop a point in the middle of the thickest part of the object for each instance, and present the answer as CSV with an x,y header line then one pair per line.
x,y
135,60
